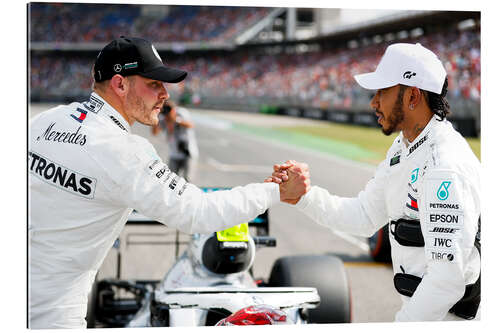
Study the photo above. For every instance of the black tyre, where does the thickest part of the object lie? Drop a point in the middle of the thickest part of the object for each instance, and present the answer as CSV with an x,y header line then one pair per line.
x,y
327,275
92,306
380,246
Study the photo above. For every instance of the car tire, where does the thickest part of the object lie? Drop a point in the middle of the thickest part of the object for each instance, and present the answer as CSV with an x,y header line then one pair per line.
x,y
380,246
327,275
92,306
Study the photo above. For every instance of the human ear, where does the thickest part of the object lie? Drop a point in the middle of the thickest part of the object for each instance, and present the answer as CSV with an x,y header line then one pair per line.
x,y
415,97
119,85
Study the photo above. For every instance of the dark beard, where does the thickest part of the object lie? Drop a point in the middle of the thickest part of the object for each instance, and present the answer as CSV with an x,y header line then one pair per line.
x,y
397,115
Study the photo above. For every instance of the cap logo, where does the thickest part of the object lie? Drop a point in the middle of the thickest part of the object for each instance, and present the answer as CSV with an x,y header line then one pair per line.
x,y
156,53
409,74
117,68
130,65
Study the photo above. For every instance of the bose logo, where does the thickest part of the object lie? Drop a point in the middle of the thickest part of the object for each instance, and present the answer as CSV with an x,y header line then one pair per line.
x,y
444,230
418,144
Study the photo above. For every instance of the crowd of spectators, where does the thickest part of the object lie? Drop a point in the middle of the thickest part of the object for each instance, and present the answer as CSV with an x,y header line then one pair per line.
x,y
325,79
206,24
80,22
322,78
64,22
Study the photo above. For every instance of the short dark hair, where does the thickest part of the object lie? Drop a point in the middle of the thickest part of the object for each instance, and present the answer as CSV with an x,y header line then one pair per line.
x,y
437,102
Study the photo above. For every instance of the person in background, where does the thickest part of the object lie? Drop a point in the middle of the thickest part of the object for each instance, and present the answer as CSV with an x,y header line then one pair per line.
x,y
181,138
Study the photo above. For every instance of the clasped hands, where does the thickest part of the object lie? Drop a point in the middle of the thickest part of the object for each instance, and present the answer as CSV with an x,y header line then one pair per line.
x,y
293,179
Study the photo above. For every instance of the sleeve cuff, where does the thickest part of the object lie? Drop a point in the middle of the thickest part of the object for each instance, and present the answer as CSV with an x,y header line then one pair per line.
x,y
274,193
305,200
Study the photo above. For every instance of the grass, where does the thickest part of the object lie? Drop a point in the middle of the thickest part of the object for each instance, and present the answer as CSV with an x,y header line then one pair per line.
x,y
369,139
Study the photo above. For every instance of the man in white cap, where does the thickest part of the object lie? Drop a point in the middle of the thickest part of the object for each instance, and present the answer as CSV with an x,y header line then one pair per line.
x,y
427,188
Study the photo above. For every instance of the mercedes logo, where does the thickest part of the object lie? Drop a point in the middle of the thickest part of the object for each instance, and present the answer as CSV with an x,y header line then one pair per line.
x,y
117,67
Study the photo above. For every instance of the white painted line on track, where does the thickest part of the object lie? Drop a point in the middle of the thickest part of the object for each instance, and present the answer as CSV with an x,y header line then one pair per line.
x,y
223,124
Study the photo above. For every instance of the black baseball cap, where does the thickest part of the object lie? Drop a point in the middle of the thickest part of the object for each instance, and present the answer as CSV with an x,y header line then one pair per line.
x,y
134,56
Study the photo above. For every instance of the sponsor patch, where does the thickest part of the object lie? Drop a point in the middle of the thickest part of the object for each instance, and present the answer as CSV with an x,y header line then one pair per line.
x,y
414,176
441,194
160,171
93,104
439,205
440,242
60,176
418,144
118,123
444,231
413,189
412,203
174,182
80,116
395,160
75,137
446,219
441,255
182,189
130,65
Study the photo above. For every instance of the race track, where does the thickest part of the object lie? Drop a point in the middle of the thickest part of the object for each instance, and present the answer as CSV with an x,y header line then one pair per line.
x,y
229,157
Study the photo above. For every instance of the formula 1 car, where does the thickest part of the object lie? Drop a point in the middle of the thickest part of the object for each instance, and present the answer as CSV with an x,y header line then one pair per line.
x,y
212,282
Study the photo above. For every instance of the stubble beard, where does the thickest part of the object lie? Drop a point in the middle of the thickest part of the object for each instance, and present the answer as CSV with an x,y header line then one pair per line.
x,y
141,112
397,115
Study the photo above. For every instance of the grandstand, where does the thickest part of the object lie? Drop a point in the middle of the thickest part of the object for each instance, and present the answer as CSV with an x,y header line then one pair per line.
x,y
247,58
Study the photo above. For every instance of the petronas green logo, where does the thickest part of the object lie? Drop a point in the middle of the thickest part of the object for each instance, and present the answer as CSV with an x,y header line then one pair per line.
x,y
130,65
442,192
414,175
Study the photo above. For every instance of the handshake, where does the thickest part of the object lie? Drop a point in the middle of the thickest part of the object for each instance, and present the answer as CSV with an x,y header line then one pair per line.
x,y
293,179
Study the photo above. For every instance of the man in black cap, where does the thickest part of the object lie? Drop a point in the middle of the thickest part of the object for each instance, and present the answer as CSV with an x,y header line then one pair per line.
x,y
88,172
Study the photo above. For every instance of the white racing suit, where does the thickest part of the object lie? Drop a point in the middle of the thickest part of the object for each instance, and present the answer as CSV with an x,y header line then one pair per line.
x,y
87,172
435,180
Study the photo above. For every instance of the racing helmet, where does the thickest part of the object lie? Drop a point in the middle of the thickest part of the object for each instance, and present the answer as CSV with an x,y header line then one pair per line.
x,y
228,251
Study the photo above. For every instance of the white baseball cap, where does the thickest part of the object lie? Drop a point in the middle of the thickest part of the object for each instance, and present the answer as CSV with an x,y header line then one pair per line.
x,y
409,64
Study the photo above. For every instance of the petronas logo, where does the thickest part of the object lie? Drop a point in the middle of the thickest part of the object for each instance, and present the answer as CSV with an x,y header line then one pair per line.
x,y
414,175
130,65
442,192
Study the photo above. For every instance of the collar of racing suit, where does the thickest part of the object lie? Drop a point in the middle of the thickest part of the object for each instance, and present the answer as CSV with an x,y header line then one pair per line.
x,y
109,112
409,147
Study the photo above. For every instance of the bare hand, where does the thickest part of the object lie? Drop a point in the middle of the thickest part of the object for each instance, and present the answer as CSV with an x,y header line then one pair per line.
x,y
294,180
280,174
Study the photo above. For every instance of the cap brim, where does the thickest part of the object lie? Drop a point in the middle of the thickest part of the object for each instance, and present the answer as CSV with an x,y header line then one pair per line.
x,y
165,74
373,81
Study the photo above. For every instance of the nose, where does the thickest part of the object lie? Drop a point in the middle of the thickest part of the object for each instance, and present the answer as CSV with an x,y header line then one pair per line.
x,y
374,103
164,92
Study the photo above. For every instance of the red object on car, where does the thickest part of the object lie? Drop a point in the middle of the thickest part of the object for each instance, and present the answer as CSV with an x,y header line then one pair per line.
x,y
255,315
